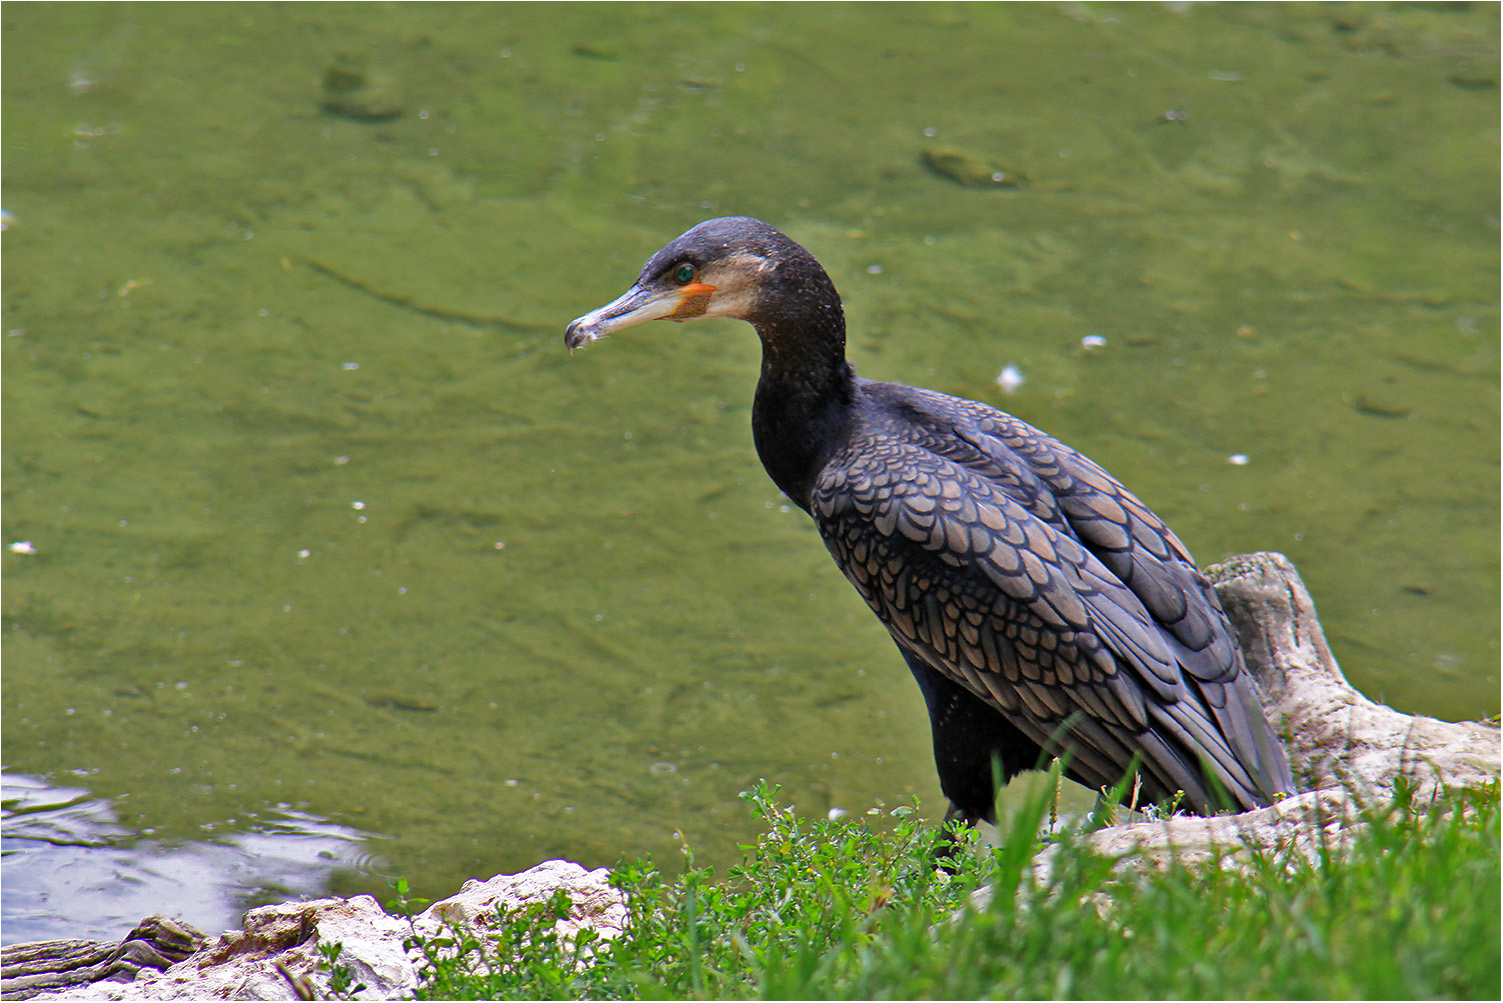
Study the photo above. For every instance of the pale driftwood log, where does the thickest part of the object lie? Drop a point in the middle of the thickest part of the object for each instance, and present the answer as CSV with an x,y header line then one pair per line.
x,y
1335,736
1345,750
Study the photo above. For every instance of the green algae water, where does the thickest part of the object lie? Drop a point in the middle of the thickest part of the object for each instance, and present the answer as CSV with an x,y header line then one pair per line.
x,y
310,514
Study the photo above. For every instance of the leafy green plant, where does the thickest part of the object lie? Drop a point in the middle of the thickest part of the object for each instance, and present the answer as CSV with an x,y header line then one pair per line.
x,y
831,909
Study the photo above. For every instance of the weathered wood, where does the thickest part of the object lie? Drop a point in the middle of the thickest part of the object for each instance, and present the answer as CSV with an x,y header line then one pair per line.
x,y
1335,736
156,944
1345,749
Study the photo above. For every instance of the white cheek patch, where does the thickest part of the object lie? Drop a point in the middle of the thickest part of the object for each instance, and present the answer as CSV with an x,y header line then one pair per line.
x,y
735,280
732,302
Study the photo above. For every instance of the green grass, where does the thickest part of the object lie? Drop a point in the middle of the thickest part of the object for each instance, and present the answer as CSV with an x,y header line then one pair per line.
x,y
849,909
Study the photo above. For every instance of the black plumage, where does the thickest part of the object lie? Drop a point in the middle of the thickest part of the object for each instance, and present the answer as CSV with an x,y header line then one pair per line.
x,y
1042,607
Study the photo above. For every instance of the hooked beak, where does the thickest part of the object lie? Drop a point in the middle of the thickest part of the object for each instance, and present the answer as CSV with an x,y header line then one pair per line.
x,y
638,305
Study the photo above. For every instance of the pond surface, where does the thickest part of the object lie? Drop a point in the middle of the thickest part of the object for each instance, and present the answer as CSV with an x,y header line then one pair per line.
x,y
310,516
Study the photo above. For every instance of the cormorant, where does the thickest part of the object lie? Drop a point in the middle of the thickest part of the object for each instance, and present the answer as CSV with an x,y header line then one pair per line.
x,y
1043,609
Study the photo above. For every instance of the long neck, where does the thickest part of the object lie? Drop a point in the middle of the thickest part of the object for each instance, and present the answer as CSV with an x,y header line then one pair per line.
x,y
804,396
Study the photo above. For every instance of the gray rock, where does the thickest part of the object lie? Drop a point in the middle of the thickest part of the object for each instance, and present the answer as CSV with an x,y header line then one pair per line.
x,y
276,956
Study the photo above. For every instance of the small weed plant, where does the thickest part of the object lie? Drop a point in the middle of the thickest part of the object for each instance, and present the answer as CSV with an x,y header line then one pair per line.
x,y
847,909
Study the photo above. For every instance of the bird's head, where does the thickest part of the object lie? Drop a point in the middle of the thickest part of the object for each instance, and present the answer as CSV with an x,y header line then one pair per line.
x,y
721,268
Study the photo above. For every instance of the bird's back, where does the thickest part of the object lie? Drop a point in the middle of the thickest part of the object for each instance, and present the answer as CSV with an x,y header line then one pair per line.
x,y
1021,570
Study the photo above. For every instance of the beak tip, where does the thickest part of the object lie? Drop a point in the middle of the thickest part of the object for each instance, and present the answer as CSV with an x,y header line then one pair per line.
x,y
577,335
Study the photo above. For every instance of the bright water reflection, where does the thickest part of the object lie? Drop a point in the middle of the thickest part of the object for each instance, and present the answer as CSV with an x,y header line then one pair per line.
x,y
72,870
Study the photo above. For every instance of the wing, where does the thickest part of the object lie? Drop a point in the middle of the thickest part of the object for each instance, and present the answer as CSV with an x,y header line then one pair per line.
x,y
1146,556
961,538
1135,545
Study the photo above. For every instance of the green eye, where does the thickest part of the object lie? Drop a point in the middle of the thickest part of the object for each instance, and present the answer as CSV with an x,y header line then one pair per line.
x,y
684,274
